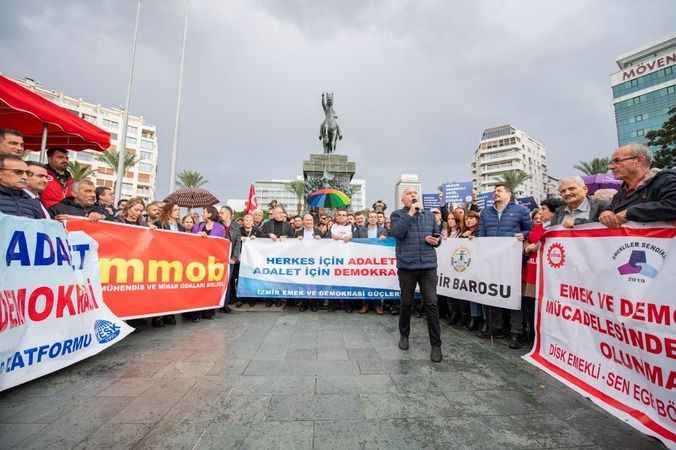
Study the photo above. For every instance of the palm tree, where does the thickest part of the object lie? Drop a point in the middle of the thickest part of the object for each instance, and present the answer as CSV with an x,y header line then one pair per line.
x,y
596,165
298,188
79,171
111,159
191,179
512,179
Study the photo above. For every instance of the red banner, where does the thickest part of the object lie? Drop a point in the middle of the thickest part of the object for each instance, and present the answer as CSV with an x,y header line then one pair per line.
x,y
148,272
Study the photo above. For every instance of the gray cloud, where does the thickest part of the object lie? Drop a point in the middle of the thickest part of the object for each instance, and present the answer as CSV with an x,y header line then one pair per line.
x,y
415,82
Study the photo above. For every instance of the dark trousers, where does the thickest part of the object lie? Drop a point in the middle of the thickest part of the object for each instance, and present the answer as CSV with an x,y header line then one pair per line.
x,y
427,279
498,318
522,320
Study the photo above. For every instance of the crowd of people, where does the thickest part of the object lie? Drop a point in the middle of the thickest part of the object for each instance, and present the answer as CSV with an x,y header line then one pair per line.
x,y
48,191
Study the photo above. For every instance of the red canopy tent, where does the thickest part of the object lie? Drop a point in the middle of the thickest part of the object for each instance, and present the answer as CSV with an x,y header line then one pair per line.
x,y
45,124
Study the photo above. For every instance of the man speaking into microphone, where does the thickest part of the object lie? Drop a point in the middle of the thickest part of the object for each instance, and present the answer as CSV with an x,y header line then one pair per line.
x,y
417,234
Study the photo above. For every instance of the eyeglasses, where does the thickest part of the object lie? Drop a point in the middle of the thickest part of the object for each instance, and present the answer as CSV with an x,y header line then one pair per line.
x,y
619,160
18,172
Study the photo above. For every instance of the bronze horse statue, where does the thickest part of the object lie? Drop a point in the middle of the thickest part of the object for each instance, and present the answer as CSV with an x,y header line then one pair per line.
x,y
329,132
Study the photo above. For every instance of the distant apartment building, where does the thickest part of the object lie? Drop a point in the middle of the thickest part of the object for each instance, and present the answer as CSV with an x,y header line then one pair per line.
x,y
139,180
506,148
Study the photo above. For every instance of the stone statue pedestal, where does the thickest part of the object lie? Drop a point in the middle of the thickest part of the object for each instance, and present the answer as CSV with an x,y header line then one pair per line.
x,y
328,169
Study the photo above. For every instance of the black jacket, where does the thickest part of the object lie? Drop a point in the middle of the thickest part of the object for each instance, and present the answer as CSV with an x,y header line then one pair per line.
x,y
108,214
301,232
596,207
363,232
654,200
165,226
16,202
68,206
278,228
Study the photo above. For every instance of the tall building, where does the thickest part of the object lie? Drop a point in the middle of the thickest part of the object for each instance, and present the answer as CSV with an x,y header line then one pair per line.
x,y
268,190
139,180
406,180
644,89
506,148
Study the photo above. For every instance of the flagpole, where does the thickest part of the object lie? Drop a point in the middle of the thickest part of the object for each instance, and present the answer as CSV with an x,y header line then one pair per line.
x,y
179,95
122,140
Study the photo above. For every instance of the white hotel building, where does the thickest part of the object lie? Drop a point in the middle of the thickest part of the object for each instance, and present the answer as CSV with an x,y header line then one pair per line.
x,y
506,148
139,181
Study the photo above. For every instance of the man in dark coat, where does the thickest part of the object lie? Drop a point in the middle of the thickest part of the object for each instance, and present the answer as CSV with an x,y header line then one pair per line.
x,y
417,234
13,180
276,227
646,195
79,205
578,208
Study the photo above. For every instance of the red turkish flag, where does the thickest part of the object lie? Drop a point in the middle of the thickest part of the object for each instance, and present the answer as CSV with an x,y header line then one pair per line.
x,y
252,203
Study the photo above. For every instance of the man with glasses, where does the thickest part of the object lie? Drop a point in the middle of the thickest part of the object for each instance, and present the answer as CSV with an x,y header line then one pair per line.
x,y
37,180
13,180
11,142
646,195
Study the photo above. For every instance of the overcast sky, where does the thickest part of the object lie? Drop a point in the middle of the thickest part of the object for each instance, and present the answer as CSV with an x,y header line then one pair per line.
x,y
415,82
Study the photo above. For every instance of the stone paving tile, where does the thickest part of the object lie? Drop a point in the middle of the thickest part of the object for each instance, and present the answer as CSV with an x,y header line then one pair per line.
x,y
310,380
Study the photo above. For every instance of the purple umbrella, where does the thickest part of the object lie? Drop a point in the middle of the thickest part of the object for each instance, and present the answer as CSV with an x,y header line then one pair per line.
x,y
601,181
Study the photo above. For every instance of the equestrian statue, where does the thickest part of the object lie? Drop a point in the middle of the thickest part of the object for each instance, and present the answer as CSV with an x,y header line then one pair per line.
x,y
329,132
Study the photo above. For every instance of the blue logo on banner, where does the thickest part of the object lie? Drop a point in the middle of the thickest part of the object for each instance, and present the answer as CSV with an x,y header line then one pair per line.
x,y
105,331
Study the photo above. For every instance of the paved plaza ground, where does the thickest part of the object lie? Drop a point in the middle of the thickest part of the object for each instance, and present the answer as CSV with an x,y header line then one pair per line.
x,y
292,380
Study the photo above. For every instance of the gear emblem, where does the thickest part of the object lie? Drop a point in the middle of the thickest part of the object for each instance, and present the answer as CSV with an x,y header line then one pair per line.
x,y
556,255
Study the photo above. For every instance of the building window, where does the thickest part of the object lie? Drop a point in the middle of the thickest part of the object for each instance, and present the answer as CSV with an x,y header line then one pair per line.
x,y
110,123
669,70
640,132
638,118
671,89
146,156
145,167
148,134
132,130
131,140
146,144
89,118
143,178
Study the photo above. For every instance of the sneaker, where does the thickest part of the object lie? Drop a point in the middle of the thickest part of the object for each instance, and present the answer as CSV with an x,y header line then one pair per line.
x,y
403,343
435,355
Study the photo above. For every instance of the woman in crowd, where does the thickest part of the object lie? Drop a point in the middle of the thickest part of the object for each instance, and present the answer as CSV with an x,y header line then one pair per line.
x,y
247,233
188,222
457,311
475,309
547,209
528,278
210,226
132,213
170,215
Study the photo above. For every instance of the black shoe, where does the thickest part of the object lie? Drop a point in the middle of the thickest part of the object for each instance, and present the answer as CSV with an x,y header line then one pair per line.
x,y
302,307
239,304
403,343
196,319
485,329
453,318
348,307
169,320
462,322
157,322
435,355
268,304
226,309
514,343
314,308
473,324
501,334
394,311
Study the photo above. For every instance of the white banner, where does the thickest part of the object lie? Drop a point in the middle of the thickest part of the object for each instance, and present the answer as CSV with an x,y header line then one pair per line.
x,y
318,268
484,270
606,321
52,312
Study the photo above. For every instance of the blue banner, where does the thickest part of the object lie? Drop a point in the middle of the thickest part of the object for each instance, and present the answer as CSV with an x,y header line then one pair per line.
x,y
457,192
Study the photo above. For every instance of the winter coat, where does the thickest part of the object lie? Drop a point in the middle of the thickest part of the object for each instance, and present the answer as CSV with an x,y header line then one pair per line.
x,y
218,229
596,207
58,187
514,219
413,252
16,202
283,228
654,200
70,207
363,232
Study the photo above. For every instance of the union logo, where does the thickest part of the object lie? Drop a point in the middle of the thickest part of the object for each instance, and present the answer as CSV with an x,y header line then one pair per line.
x,y
461,259
105,331
556,255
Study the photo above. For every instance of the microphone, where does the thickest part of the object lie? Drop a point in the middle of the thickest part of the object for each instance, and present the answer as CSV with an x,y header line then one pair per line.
x,y
415,205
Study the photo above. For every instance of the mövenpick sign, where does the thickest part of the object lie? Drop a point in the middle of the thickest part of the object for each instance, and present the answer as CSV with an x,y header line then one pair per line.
x,y
606,320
